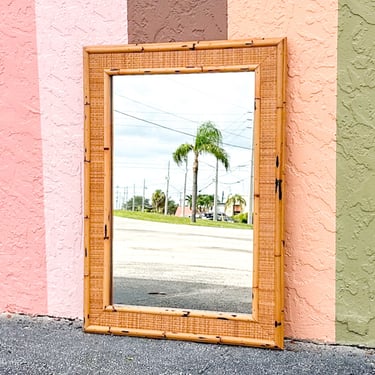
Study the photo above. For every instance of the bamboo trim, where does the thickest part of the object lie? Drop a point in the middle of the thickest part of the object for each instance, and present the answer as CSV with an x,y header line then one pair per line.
x,y
256,192
279,107
107,279
192,45
183,70
245,43
87,154
279,260
157,334
181,312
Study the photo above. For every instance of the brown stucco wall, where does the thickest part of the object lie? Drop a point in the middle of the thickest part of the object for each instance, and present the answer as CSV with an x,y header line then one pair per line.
x,y
171,20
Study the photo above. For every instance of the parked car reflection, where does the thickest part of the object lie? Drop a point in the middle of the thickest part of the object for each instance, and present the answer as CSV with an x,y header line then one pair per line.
x,y
221,216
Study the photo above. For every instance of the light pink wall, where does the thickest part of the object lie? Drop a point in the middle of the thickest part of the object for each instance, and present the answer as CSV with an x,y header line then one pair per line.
x,y
63,28
311,28
22,245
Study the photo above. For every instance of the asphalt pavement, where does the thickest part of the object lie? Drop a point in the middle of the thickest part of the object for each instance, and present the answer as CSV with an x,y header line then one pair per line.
x,y
42,345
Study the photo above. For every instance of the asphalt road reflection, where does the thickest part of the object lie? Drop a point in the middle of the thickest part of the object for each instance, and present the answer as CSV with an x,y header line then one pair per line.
x,y
182,266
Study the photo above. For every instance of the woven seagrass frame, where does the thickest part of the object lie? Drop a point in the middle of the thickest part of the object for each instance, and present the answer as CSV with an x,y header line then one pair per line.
x,y
264,327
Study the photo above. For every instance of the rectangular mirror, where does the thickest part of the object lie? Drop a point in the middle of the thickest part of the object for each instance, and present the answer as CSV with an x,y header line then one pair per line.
x,y
158,259
165,254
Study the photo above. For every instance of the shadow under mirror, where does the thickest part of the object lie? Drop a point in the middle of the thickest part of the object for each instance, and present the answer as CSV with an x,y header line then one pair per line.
x,y
159,257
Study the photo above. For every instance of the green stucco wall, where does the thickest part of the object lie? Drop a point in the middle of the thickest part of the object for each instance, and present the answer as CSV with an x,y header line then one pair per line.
x,y
355,265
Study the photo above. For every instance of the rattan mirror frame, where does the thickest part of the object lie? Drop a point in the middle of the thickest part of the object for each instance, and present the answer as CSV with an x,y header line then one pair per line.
x,y
265,326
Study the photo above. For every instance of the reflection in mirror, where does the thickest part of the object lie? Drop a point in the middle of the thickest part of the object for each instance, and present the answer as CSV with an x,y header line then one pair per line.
x,y
160,258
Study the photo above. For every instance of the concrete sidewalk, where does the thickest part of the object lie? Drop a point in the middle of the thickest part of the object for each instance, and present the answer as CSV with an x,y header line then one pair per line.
x,y
40,345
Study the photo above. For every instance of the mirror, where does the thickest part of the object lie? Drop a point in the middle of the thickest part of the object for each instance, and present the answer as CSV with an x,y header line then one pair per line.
x,y
159,257
130,140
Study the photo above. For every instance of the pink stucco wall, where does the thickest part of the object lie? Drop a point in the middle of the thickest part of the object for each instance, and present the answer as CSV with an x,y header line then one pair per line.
x,y
311,28
63,28
22,244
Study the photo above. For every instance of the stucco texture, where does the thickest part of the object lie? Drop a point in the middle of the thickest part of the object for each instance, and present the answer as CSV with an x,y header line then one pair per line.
x,y
172,21
63,28
356,174
311,29
22,240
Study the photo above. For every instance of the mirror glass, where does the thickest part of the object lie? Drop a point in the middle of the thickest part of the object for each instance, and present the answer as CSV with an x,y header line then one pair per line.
x,y
159,257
